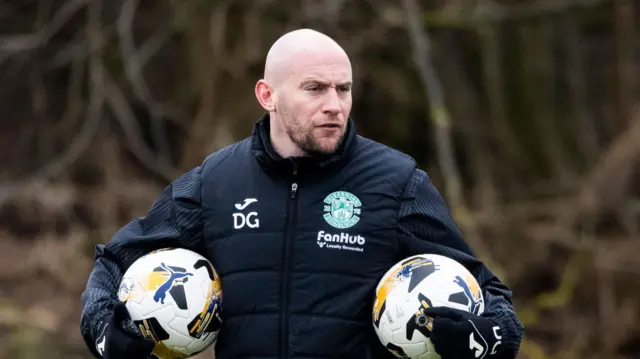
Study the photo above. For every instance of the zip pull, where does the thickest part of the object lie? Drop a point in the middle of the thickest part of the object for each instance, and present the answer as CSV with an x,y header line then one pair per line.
x,y
294,190
294,166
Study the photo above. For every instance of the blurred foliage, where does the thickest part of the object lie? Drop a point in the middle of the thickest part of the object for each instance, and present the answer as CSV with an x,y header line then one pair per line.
x,y
523,112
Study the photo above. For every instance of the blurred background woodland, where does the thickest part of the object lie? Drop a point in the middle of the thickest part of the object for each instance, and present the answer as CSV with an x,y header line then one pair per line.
x,y
525,113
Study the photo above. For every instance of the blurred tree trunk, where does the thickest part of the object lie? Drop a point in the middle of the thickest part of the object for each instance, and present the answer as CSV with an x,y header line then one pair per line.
x,y
626,59
583,124
470,122
538,58
493,71
87,89
441,122
207,51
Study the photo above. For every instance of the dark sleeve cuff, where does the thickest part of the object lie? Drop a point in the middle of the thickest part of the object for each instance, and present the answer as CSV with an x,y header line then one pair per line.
x,y
511,331
93,332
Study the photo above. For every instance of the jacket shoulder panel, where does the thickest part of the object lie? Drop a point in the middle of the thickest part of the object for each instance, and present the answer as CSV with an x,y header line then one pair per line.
x,y
225,154
380,164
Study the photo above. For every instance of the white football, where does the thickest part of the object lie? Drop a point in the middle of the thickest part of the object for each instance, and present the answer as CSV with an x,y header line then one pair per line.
x,y
410,286
174,296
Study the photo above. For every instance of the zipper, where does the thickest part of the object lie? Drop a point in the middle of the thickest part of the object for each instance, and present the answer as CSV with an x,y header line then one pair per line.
x,y
289,241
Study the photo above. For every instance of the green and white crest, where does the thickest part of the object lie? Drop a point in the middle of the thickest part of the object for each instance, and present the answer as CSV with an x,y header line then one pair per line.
x,y
342,209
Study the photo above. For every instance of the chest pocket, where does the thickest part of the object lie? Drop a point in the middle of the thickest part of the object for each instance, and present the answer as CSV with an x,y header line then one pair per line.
x,y
350,232
244,224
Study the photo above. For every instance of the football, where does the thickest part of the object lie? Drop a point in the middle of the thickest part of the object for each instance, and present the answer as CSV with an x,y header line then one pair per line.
x,y
174,297
409,287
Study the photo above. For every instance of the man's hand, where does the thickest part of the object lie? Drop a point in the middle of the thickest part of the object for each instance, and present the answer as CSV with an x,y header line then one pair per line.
x,y
457,334
119,338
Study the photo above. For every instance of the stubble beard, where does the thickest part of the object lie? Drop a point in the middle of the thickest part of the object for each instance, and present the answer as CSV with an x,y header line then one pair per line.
x,y
304,139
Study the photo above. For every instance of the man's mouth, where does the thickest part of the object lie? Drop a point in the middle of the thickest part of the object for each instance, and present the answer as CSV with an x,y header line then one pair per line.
x,y
330,126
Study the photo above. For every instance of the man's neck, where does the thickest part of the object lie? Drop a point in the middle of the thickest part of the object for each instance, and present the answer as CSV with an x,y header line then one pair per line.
x,y
282,144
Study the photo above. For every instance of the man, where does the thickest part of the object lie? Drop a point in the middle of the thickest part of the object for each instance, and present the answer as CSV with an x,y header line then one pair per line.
x,y
268,211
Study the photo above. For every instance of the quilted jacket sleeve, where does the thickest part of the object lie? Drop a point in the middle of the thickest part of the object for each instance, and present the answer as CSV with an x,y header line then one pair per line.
x,y
174,220
426,226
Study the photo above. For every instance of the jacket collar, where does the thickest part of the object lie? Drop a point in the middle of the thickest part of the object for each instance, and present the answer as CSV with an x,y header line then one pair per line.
x,y
264,152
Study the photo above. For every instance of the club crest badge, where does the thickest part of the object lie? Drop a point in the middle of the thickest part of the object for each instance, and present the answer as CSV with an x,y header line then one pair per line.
x,y
342,209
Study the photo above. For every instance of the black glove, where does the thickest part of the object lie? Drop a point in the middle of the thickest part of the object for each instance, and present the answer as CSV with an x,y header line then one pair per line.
x,y
457,334
119,338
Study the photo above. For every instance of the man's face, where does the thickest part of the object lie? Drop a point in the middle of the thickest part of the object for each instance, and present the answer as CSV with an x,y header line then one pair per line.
x,y
314,101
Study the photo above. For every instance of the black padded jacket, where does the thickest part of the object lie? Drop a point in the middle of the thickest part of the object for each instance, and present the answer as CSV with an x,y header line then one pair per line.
x,y
300,245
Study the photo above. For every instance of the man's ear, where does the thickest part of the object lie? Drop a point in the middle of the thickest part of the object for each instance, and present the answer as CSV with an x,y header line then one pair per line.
x,y
264,94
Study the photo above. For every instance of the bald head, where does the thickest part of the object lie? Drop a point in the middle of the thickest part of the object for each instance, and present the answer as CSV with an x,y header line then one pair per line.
x,y
307,91
299,46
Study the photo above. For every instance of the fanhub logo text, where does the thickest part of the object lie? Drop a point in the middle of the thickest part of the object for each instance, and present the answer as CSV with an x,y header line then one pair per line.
x,y
341,241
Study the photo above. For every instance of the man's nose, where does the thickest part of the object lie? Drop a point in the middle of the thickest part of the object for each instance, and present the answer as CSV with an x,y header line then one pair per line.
x,y
332,102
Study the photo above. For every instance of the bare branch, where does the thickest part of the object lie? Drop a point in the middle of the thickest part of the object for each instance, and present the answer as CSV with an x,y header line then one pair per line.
x,y
153,45
606,184
74,98
134,63
198,137
85,137
435,97
495,12
123,113
442,124
80,48
19,43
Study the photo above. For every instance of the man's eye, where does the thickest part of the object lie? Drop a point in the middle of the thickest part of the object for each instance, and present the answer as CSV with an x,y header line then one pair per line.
x,y
314,88
344,89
